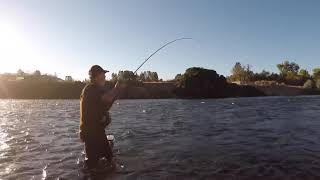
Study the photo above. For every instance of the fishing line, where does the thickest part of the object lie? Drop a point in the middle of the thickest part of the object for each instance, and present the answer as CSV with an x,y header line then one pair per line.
x,y
179,39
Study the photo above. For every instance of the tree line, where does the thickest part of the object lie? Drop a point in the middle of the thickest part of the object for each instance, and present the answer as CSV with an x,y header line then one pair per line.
x,y
289,73
195,82
145,76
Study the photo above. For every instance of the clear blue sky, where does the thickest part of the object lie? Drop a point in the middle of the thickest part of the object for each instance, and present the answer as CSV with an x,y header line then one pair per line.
x,y
68,36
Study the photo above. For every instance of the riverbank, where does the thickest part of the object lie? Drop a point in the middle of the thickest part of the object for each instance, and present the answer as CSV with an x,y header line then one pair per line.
x,y
146,90
286,90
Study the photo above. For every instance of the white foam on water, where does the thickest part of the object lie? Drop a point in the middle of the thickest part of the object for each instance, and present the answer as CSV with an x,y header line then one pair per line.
x,y
44,173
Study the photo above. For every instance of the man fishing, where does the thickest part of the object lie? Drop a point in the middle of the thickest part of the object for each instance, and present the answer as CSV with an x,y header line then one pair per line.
x,y
95,103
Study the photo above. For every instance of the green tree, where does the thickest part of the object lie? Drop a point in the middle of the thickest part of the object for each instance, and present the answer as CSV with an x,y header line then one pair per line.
x,y
154,76
287,67
263,76
304,73
316,73
197,77
265,73
148,76
126,76
290,74
200,82
241,73
294,79
309,84
177,77
237,71
142,77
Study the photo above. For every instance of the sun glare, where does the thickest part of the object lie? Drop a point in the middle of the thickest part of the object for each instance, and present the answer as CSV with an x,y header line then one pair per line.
x,y
15,52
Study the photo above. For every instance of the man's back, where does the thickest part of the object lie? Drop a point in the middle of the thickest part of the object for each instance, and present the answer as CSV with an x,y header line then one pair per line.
x,y
92,110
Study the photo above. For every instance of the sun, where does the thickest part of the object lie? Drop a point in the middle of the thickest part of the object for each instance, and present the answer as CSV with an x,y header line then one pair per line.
x,y
15,52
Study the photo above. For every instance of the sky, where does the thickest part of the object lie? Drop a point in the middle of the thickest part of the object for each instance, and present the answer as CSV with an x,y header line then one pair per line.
x,y
66,37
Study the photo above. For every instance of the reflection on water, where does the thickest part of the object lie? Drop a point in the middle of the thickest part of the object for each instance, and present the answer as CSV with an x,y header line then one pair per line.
x,y
245,138
3,139
4,147
44,173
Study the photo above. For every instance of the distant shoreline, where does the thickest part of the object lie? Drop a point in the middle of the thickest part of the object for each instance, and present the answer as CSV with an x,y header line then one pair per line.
x,y
194,83
157,90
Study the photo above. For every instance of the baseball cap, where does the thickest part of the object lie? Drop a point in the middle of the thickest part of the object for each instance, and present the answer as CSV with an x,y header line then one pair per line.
x,y
96,69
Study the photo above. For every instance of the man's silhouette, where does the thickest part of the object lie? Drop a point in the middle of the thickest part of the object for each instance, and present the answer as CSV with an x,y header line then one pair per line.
x,y
95,103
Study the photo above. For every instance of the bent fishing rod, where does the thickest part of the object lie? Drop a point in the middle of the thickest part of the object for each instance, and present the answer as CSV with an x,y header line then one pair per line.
x,y
179,39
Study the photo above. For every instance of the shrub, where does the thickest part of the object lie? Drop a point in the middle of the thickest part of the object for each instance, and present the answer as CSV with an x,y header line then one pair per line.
x,y
318,83
201,83
309,84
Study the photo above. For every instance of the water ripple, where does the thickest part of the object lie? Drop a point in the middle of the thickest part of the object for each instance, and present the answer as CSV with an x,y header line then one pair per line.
x,y
244,138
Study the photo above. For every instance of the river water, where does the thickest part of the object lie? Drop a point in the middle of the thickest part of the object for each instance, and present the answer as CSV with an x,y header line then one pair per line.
x,y
241,138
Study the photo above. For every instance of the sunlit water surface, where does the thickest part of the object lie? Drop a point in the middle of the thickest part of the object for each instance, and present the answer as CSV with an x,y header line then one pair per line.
x,y
244,138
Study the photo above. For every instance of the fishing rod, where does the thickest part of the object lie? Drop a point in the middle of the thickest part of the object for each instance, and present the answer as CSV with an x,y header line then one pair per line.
x,y
179,39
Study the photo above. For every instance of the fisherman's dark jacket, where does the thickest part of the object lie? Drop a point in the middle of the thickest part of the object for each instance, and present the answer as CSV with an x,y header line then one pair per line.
x,y
94,116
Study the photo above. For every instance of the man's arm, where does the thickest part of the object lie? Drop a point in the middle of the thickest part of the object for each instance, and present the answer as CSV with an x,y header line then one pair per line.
x,y
109,97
